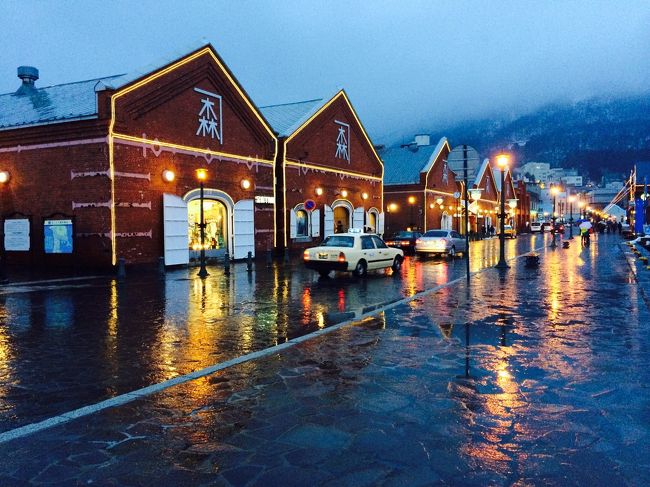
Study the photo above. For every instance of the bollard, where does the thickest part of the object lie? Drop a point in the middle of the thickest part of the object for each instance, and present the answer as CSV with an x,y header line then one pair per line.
x,y
249,261
121,268
269,258
226,263
161,266
286,256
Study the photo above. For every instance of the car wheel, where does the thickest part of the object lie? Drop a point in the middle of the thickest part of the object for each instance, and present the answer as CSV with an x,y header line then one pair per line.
x,y
324,273
452,252
361,269
397,264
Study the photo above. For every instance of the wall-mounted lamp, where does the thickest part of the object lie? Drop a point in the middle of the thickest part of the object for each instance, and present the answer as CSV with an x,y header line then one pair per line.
x,y
245,184
411,200
168,175
4,177
319,191
201,174
439,201
364,195
344,193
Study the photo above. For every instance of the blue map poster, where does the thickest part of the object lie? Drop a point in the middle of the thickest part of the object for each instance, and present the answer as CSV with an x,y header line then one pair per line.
x,y
58,236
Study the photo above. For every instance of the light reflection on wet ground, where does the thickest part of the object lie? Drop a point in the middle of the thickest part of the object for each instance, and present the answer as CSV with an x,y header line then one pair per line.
x,y
62,347
532,377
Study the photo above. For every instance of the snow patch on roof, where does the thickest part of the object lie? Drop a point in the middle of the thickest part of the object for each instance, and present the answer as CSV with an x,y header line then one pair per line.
x,y
286,118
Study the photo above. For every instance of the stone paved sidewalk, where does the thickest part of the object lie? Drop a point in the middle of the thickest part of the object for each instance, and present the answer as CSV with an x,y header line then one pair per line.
x,y
528,377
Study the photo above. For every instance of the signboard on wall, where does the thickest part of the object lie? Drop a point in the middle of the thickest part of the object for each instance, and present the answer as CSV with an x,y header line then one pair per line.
x,y
58,236
16,231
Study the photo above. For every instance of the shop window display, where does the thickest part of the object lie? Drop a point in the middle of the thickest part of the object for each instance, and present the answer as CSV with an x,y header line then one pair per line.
x,y
215,216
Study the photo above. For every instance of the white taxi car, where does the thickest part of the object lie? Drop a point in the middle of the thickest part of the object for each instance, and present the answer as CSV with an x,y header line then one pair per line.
x,y
354,252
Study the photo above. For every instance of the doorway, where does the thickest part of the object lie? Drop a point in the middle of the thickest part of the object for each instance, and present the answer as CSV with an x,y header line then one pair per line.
x,y
215,216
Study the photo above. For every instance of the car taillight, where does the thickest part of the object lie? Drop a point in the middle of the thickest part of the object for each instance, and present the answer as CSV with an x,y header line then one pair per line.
x,y
341,257
305,255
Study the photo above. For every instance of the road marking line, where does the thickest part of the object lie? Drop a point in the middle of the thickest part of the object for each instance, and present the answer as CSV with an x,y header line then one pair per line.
x,y
122,399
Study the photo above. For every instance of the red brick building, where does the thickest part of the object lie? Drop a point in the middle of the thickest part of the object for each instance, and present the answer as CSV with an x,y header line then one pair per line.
x,y
106,168
523,206
329,177
419,186
483,211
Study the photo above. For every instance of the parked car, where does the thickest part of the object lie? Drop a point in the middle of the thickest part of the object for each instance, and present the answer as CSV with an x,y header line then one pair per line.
x,y
547,226
509,231
404,240
559,227
446,242
536,227
354,252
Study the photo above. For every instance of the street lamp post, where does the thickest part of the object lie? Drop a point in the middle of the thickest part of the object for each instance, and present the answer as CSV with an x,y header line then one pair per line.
x,y
572,198
554,191
475,195
201,175
457,198
502,162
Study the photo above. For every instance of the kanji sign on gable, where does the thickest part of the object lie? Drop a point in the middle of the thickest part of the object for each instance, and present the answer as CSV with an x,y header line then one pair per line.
x,y
209,122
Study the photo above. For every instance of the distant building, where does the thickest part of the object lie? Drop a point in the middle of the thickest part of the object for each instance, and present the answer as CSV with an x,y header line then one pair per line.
x,y
575,181
419,186
535,171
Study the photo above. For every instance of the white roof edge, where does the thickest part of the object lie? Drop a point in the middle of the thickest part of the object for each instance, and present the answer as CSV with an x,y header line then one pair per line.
x,y
434,155
49,122
479,174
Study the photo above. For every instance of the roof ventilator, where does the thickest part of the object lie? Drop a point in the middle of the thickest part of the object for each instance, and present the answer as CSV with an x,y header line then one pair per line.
x,y
29,75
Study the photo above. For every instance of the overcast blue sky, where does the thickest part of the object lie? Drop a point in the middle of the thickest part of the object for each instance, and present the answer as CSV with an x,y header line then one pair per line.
x,y
406,65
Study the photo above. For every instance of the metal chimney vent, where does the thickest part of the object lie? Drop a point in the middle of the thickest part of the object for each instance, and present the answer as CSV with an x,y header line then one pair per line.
x,y
29,75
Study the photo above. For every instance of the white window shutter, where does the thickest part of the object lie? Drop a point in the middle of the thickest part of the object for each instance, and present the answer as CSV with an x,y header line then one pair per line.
x,y
358,220
292,224
329,221
315,223
244,229
380,224
175,229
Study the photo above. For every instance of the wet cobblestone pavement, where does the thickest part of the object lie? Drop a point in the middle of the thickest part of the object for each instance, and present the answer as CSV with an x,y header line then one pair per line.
x,y
67,345
528,377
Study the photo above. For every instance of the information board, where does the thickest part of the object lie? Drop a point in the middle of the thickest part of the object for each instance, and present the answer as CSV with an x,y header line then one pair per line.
x,y
58,236
16,231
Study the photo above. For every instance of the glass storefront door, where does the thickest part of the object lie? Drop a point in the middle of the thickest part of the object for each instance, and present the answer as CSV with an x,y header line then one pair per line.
x,y
215,216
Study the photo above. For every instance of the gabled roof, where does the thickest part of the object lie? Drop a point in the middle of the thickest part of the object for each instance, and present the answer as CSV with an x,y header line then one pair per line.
x,y
497,179
51,104
73,101
479,175
613,209
403,165
286,118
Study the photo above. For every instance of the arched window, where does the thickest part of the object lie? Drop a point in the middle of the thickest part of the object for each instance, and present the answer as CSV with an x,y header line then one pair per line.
x,y
302,223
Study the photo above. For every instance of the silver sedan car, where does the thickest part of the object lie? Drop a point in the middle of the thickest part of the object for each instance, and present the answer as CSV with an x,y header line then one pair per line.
x,y
447,242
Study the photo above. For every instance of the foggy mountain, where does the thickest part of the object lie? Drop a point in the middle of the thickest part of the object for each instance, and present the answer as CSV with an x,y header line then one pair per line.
x,y
598,136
